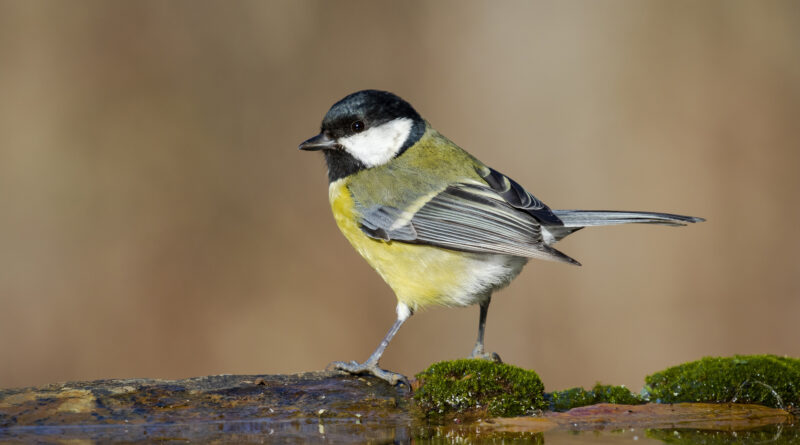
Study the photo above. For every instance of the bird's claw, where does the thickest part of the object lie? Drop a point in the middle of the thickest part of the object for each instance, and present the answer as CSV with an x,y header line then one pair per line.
x,y
493,357
353,367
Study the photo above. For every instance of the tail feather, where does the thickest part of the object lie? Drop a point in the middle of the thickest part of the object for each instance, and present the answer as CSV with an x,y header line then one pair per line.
x,y
586,218
577,219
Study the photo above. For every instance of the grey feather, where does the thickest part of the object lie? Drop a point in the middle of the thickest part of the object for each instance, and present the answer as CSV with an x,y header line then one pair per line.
x,y
586,218
517,196
574,220
378,222
466,217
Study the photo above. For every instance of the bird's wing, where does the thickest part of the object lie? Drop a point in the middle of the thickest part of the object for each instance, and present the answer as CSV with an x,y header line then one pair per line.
x,y
464,216
515,195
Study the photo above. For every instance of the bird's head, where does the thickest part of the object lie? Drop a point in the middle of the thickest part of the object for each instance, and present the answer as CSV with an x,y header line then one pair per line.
x,y
366,129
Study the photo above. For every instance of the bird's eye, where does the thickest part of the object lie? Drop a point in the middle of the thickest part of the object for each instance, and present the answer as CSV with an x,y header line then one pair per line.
x,y
357,126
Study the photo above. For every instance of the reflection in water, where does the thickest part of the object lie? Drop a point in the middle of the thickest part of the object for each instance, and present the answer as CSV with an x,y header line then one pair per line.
x,y
773,434
344,431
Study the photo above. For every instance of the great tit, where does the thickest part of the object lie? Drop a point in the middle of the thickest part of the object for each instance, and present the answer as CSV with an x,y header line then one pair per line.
x,y
437,224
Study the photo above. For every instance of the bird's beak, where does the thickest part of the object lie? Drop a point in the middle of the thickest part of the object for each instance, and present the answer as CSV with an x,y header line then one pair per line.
x,y
319,142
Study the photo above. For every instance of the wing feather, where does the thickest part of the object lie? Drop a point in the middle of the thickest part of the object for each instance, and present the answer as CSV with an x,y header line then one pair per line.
x,y
518,197
466,217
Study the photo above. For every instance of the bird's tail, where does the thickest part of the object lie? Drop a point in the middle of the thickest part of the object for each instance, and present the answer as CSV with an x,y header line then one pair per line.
x,y
586,218
577,219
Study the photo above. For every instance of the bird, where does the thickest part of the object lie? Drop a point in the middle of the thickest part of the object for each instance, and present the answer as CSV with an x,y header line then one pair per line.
x,y
437,224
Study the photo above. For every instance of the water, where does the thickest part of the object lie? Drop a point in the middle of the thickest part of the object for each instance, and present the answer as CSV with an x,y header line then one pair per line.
x,y
348,431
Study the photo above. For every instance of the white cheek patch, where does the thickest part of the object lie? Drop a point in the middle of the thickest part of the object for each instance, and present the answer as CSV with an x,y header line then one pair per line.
x,y
378,145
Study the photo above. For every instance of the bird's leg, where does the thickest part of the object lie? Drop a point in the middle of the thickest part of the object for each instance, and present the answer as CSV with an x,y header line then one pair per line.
x,y
371,365
477,351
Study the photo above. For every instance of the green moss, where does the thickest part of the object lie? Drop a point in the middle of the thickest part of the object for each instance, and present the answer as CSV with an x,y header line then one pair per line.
x,y
474,388
575,397
619,395
569,398
762,379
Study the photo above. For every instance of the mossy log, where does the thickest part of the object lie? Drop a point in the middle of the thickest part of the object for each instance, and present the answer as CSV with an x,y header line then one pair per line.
x,y
331,406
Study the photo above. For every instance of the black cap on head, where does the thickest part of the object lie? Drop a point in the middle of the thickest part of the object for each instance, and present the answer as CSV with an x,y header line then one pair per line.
x,y
371,107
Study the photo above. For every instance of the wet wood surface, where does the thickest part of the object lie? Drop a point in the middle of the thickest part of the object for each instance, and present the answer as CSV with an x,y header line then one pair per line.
x,y
708,416
319,405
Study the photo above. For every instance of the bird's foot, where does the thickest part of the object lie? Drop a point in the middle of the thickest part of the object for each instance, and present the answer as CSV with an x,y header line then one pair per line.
x,y
479,354
353,367
493,357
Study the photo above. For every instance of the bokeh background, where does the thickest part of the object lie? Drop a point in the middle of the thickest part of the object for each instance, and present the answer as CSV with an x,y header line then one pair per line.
x,y
157,219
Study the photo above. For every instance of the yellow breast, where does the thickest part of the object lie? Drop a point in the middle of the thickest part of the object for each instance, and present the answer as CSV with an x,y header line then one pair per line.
x,y
422,275
419,275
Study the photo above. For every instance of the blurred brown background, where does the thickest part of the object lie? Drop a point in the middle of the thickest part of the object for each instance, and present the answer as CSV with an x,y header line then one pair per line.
x,y
157,219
